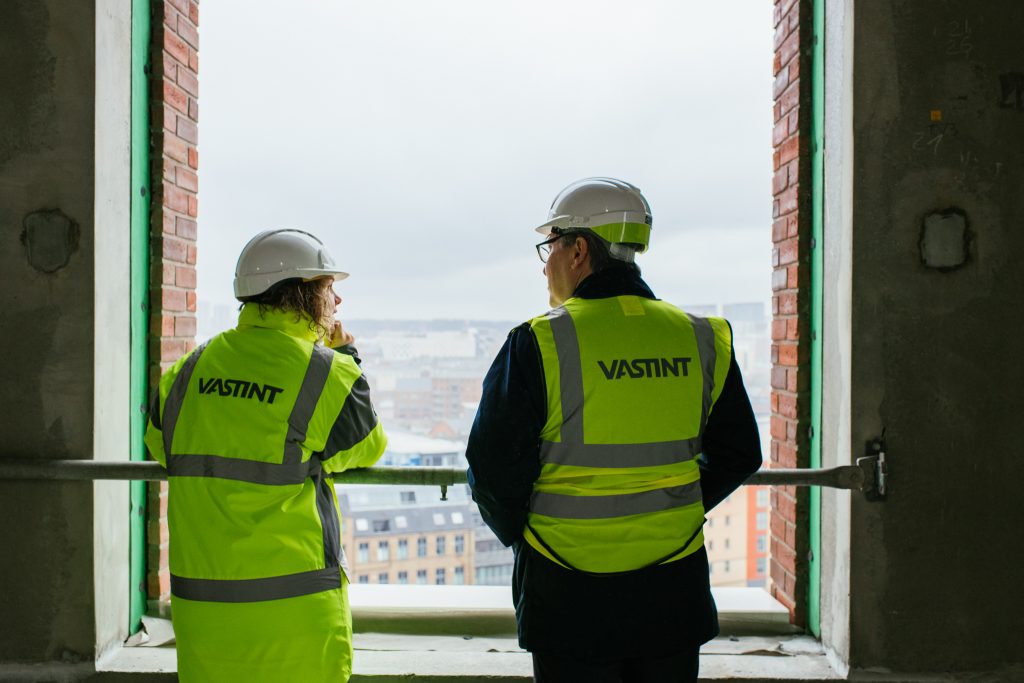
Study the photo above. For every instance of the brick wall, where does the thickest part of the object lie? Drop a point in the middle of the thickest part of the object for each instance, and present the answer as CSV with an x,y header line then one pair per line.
x,y
791,234
174,117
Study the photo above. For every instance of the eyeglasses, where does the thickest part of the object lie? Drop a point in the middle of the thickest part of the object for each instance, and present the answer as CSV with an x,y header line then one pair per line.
x,y
544,248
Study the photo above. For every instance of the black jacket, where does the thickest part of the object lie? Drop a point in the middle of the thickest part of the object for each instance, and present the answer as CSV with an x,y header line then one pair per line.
x,y
654,610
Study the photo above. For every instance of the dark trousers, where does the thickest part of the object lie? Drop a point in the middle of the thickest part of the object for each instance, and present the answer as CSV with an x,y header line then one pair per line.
x,y
558,668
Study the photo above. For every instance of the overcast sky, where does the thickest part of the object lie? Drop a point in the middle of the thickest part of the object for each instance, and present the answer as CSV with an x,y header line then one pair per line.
x,y
423,141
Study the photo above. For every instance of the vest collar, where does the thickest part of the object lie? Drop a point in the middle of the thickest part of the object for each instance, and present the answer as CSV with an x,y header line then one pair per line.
x,y
291,323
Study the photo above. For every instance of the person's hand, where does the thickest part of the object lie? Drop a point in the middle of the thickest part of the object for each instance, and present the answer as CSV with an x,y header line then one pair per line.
x,y
339,336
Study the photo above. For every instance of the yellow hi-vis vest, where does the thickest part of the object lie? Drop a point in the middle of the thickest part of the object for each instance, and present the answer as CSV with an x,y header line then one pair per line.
x,y
630,384
252,426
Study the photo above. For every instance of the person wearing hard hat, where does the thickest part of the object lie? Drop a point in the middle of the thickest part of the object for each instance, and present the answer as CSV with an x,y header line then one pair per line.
x,y
607,428
252,426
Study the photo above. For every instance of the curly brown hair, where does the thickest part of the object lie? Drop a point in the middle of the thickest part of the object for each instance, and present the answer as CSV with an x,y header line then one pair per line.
x,y
313,300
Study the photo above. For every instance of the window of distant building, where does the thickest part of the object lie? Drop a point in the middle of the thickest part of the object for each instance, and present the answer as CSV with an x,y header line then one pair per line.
x,y
407,496
762,498
457,518
460,544
440,545
439,576
728,520
364,552
421,547
362,524
403,549
762,520
380,525
364,578
401,522
403,577
460,576
438,519
726,567
727,544
421,577
383,551
761,564
711,546
382,577
762,543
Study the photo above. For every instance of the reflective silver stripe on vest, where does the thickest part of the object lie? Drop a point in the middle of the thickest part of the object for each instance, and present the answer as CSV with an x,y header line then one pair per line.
x,y
602,507
570,374
241,469
256,590
706,349
305,403
620,455
172,404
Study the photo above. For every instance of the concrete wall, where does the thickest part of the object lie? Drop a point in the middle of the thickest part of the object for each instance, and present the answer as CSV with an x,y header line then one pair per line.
x,y
46,313
938,124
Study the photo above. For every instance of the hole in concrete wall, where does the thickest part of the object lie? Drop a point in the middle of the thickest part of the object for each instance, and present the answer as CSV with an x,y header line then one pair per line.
x,y
945,239
50,237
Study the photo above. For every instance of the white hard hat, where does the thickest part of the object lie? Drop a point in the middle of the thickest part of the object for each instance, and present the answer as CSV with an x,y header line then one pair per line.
x,y
276,255
613,209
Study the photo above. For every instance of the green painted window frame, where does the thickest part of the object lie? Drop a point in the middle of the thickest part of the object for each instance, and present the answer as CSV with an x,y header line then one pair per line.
x,y
140,207
817,267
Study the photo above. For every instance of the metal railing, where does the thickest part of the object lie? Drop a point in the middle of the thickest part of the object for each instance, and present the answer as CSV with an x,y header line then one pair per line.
x,y
860,477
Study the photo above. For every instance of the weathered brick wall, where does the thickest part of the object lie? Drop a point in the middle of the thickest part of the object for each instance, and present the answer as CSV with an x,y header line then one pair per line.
x,y
791,234
174,117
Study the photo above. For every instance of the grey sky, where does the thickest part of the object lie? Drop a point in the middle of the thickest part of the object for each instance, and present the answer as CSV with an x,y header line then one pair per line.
x,y
424,140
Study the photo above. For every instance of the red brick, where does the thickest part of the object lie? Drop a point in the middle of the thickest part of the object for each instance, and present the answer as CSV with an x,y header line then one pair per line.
x,y
173,300
778,527
190,299
790,98
779,228
176,97
785,506
789,356
787,455
168,220
777,111
176,148
787,406
780,83
778,329
171,349
175,198
794,226
174,249
787,303
794,121
190,344
185,227
188,81
185,326
170,118
793,380
193,206
193,13
179,50
187,31
781,33
789,150
793,328
193,157
186,179
779,180
168,169
193,61
778,427
778,378
774,402
193,109
793,71
775,214
168,274
180,5
193,254
161,325
168,66
188,130
788,200
787,49
775,354
776,64
789,251
779,280
793,276
185,276
780,132
791,428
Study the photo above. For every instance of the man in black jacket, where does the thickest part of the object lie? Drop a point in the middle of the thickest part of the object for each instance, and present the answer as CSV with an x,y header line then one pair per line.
x,y
643,625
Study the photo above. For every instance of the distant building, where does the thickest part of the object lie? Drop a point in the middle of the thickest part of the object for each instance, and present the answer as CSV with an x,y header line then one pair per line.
x,y
725,537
